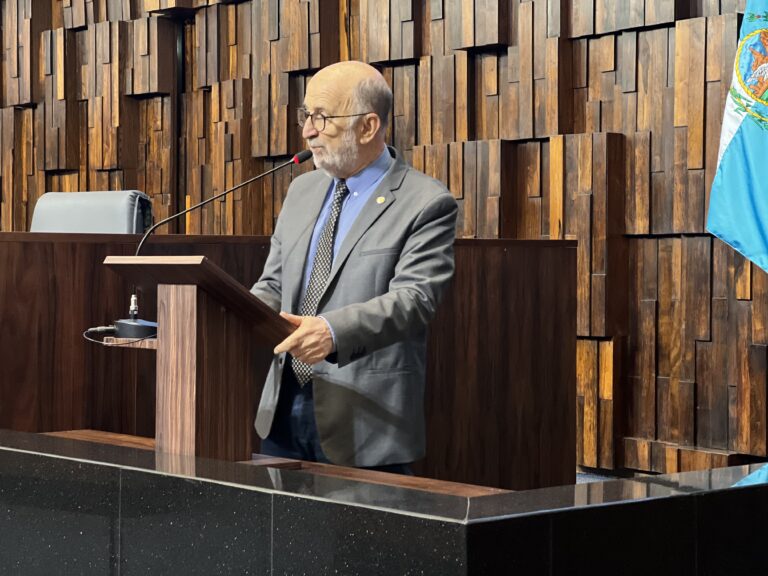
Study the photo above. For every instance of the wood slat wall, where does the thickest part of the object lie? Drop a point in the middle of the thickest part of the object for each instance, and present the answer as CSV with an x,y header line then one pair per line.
x,y
562,119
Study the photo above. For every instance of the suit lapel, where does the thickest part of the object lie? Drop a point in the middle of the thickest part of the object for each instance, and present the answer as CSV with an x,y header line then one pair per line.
x,y
311,199
371,212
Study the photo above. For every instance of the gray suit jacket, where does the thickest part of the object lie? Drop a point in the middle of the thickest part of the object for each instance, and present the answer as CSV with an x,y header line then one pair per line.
x,y
384,288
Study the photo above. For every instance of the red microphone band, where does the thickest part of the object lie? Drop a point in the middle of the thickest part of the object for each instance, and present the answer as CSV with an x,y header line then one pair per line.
x,y
302,156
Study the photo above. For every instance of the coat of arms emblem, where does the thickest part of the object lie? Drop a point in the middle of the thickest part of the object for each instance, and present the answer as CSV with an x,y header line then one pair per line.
x,y
750,92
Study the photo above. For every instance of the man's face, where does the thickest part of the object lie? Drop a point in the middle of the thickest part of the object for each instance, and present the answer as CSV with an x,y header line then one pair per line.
x,y
336,149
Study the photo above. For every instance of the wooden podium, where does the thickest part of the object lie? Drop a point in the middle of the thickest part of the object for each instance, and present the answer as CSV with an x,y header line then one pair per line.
x,y
210,331
501,356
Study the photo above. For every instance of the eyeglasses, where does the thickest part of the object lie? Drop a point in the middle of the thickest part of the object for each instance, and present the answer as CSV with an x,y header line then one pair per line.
x,y
318,119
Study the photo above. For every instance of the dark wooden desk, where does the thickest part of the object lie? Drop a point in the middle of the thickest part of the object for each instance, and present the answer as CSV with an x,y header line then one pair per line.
x,y
501,390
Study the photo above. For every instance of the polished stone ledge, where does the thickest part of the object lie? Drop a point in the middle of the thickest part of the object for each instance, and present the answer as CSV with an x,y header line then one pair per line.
x,y
452,508
71,507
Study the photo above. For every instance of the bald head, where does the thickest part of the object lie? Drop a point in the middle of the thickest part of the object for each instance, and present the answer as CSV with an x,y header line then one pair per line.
x,y
355,101
361,84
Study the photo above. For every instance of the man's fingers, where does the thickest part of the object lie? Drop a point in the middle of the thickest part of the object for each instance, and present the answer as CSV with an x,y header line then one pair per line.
x,y
290,341
292,318
286,345
310,343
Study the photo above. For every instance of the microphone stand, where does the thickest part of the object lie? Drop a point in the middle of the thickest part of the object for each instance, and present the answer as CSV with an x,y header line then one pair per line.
x,y
133,327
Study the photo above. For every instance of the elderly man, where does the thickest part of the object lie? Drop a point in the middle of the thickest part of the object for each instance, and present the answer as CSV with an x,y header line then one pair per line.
x,y
362,250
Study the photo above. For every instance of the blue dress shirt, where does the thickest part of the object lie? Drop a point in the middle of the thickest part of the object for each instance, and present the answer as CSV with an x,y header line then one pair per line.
x,y
361,186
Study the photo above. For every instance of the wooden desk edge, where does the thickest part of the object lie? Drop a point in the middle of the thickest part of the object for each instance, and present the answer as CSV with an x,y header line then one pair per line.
x,y
358,474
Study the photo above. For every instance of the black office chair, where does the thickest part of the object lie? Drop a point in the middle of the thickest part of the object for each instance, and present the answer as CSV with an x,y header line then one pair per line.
x,y
111,212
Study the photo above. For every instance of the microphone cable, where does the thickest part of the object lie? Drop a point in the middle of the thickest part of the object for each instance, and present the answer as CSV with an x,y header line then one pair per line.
x,y
109,330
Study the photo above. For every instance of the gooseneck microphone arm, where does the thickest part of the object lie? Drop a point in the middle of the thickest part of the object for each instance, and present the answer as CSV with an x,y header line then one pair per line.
x,y
297,159
133,327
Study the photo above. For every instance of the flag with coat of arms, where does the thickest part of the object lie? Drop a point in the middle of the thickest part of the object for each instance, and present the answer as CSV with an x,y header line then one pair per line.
x,y
738,205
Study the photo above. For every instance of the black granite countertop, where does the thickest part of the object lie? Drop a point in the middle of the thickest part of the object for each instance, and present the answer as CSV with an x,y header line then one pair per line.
x,y
458,509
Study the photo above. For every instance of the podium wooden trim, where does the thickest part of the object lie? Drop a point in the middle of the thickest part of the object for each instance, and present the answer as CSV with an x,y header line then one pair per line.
x,y
211,331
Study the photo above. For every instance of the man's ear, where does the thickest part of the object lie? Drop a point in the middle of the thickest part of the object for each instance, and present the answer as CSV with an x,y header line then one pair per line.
x,y
369,127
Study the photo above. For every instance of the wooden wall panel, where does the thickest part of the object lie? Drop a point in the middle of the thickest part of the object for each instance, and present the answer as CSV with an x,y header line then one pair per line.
x,y
277,49
597,17
59,74
402,131
211,63
529,104
156,168
233,162
389,30
547,119
477,173
173,6
505,189
664,90
23,21
111,116
444,93
151,58
477,23
75,14
19,174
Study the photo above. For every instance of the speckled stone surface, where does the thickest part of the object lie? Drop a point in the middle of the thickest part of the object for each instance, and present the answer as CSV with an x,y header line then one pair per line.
x,y
70,507
175,526
315,538
57,516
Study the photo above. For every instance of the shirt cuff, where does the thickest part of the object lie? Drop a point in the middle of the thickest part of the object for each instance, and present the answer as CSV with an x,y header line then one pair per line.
x,y
333,334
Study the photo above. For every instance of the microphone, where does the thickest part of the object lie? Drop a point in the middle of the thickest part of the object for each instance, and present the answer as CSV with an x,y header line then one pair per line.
x,y
133,327
297,159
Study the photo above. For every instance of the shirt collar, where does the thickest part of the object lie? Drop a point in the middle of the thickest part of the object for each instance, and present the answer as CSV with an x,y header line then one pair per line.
x,y
370,174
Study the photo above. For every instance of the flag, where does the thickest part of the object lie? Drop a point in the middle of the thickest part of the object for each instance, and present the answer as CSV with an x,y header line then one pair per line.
x,y
738,204
760,476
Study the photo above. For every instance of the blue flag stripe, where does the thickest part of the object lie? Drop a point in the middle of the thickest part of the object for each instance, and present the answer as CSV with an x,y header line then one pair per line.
x,y
738,206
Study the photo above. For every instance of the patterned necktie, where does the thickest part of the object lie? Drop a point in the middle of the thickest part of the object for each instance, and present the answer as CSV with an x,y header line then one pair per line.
x,y
321,269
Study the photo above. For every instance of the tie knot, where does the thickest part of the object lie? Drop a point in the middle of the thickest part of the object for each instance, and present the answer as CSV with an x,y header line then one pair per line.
x,y
341,189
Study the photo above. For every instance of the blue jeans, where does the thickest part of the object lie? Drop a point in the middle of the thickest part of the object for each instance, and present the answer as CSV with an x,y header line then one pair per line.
x,y
294,431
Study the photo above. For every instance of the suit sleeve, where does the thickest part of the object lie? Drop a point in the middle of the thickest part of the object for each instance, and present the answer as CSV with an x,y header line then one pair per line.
x,y
269,287
421,275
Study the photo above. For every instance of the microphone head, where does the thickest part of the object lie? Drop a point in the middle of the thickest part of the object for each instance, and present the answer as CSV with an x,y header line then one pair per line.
x,y
302,156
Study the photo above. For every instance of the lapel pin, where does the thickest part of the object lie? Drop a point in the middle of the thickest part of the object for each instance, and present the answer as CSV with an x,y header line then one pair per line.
x,y
380,200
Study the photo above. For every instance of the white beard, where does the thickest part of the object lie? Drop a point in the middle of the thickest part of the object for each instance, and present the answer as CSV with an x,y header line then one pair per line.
x,y
343,160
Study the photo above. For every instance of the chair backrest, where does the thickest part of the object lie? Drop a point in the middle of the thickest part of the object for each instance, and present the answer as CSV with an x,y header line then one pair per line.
x,y
111,212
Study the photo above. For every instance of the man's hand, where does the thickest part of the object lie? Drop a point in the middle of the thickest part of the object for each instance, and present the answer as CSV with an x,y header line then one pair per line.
x,y
310,343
